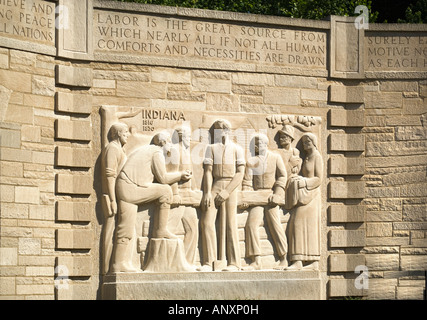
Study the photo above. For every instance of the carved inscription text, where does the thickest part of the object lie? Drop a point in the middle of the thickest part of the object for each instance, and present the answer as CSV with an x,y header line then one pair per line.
x,y
396,52
176,37
28,19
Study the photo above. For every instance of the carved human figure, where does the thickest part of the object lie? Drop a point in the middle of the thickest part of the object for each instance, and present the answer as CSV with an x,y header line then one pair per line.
x,y
304,222
135,185
113,159
224,168
265,171
180,160
290,155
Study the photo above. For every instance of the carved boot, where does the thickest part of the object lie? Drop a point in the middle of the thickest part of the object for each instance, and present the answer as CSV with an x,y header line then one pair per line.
x,y
120,263
160,230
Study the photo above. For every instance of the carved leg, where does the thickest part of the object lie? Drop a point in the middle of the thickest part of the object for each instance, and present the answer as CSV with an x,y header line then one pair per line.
x,y
125,231
209,241
278,234
191,227
121,257
160,220
253,248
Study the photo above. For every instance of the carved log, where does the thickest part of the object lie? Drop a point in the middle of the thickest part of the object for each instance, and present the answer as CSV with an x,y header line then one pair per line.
x,y
255,198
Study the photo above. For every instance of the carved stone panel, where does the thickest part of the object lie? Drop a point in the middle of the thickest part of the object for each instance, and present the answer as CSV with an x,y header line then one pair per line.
x,y
189,191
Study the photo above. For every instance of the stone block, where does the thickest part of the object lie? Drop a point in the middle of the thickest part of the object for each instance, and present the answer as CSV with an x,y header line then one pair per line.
x,y
73,211
310,94
382,261
141,90
211,85
77,290
283,96
74,239
347,189
73,184
255,285
399,86
10,138
77,266
16,81
379,229
75,39
8,256
30,133
27,194
170,75
347,118
73,157
74,76
74,102
345,288
7,286
345,262
73,129
295,81
346,142
346,48
346,238
346,213
413,262
410,293
346,166
29,246
383,100
44,86
346,94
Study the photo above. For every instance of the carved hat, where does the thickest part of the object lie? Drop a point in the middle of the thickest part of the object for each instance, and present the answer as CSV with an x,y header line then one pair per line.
x,y
288,130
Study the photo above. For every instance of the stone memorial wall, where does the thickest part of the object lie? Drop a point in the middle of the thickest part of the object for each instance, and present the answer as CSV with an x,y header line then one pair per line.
x,y
153,152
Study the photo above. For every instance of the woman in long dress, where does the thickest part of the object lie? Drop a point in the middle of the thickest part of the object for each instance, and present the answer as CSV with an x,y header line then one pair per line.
x,y
304,222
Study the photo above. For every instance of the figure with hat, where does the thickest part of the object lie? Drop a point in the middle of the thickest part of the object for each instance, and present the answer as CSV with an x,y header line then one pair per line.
x,y
290,155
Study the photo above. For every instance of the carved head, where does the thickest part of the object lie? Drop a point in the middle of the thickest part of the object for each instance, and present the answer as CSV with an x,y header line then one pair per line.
x,y
119,131
184,134
259,143
286,135
221,128
309,141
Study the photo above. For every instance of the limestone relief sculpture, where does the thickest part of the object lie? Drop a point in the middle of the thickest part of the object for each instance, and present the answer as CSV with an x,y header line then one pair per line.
x,y
193,218
135,185
185,199
265,171
304,194
224,168
112,162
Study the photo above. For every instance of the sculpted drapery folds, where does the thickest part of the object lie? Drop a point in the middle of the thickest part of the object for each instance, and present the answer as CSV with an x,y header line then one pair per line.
x,y
304,223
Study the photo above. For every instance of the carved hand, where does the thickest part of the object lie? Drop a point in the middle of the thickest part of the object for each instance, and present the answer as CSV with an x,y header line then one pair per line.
x,y
274,199
243,206
302,183
177,199
186,175
206,200
221,197
113,205
294,161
